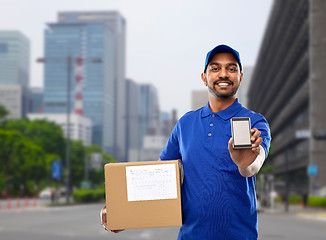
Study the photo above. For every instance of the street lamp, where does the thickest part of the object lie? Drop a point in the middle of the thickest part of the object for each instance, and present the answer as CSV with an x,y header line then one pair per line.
x,y
68,61
68,168
68,64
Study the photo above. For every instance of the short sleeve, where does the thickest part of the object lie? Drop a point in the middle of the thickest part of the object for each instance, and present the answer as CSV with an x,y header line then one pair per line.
x,y
262,125
171,150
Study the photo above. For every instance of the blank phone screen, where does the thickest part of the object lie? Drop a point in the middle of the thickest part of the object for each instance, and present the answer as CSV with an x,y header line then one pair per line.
x,y
241,132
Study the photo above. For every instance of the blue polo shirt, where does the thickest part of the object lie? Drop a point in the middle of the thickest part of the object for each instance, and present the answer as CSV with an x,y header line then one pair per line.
x,y
217,202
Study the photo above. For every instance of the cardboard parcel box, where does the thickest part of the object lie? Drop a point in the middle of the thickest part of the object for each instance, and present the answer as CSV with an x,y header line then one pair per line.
x,y
143,194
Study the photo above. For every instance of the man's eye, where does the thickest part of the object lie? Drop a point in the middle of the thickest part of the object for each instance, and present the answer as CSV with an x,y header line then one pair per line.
x,y
232,69
214,69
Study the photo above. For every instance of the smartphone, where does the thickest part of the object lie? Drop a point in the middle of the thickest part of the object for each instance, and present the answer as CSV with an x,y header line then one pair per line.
x,y
241,133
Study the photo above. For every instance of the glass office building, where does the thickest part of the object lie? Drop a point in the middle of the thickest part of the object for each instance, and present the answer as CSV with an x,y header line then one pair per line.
x,y
149,110
94,42
117,24
14,67
133,121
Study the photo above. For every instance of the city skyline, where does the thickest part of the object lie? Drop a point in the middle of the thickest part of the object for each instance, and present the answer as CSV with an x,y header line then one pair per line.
x,y
177,29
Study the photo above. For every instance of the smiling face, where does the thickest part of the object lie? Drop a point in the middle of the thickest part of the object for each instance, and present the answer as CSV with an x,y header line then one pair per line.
x,y
222,76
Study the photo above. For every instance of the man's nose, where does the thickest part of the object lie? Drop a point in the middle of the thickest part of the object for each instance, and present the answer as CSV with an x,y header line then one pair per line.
x,y
223,73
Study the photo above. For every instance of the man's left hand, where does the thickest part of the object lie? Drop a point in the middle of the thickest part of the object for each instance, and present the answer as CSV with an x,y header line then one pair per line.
x,y
243,158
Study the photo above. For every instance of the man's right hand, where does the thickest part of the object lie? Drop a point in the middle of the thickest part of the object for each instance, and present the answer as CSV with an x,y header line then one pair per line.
x,y
104,220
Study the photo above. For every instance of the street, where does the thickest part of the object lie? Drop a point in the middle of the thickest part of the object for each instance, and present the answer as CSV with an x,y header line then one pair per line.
x,y
76,222
281,226
83,222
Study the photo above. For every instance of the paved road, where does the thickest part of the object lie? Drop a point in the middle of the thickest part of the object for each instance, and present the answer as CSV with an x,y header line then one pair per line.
x,y
77,222
82,222
280,226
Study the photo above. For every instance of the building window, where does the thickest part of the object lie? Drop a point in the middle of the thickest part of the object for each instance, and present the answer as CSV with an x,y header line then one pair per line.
x,y
3,47
71,17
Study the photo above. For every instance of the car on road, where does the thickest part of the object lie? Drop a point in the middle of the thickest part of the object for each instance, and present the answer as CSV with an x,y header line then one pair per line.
x,y
46,193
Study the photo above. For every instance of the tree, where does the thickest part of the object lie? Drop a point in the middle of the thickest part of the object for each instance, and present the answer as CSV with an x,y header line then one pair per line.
x,y
107,158
30,147
22,161
3,112
46,134
96,176
93,149
77,159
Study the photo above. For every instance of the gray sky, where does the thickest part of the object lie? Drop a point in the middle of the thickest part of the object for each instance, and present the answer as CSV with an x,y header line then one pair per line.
x,y
167,41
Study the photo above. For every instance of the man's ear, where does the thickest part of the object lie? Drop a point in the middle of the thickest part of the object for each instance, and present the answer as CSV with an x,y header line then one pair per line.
x,y
241,75
203,78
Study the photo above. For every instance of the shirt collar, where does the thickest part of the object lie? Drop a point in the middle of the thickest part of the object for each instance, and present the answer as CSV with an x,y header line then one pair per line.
x,y
225,114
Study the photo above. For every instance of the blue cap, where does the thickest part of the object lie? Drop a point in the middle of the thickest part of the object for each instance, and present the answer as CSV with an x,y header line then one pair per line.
x,y
220,49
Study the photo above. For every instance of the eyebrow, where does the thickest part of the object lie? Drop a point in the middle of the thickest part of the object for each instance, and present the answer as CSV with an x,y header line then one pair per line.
x,y
233,64
228,64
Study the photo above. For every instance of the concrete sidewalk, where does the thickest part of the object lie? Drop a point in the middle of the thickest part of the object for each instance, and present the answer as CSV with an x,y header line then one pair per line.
x,y
316,213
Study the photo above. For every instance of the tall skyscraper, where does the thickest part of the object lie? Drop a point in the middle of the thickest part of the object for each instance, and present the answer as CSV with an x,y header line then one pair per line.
x,y
14,68
133,121
65,44
117,24
149,111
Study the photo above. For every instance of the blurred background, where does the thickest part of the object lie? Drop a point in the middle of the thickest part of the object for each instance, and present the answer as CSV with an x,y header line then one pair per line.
x,y
84,83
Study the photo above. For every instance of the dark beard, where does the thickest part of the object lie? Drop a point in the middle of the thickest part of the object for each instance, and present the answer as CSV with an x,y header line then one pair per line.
x,y
220,95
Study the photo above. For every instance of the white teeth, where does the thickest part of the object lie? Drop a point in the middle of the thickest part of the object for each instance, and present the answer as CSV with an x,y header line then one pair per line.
x,y
223,84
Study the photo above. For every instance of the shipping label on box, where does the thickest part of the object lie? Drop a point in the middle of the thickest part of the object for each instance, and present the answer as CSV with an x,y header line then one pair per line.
x,y
151,182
